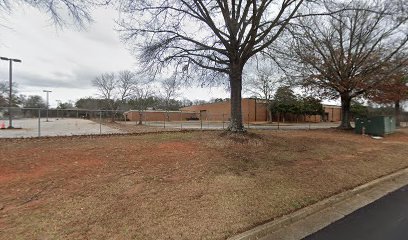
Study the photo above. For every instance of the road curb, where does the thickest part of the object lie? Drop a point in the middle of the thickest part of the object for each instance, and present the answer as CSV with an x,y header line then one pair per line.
x,y
380,187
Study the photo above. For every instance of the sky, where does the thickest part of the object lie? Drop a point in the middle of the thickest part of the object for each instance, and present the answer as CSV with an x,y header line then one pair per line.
x,y
65,61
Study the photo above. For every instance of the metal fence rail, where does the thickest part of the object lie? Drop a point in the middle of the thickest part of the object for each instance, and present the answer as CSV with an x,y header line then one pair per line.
x,y
35,122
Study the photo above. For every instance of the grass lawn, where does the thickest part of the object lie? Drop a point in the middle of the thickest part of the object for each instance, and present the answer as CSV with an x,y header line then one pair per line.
x,y
180,185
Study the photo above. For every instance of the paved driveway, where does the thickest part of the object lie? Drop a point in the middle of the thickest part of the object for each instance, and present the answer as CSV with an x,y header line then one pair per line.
x,y
384,219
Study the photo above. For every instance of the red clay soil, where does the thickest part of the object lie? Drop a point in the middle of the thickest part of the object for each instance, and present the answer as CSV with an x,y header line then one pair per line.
x,y
191,185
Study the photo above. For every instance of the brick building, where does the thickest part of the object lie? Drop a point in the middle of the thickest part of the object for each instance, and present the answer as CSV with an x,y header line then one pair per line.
x,y
253,110
256,110
332,113
152,115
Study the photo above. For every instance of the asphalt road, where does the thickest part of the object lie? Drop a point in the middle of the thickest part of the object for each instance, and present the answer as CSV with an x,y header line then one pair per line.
x,y
384,219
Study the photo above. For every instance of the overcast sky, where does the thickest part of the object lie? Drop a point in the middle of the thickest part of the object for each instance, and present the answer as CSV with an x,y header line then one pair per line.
x,y
65,61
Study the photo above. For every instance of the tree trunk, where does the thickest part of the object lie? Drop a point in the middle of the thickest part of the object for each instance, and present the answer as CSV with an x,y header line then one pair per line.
x,y
140,118
235,78
345,112
397,113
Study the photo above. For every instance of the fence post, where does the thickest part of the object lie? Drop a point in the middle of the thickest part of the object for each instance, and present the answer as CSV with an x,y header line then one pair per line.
x,y
164,122
77,114
181,120
248,120
39,122
223,121
201,121
100,122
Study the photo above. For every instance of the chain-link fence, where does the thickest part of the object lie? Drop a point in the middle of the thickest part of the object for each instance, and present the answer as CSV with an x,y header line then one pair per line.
x,y
211,121
35,122
179,119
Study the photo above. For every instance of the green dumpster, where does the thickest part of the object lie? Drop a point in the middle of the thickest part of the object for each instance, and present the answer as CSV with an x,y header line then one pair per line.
x,y
376,126
361,123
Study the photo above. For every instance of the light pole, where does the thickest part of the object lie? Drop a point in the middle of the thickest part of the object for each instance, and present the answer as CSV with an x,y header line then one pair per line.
x,y
58,105
11,60
47,91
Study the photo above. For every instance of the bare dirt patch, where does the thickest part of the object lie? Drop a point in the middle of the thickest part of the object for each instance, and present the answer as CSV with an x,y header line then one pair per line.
x,y
179,185
132,127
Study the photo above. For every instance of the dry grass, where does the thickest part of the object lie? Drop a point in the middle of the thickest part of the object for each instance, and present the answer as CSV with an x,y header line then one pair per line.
x,y
194,185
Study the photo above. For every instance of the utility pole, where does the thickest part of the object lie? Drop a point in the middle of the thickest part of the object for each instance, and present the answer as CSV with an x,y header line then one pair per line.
x,y
58,105
11,60
47,91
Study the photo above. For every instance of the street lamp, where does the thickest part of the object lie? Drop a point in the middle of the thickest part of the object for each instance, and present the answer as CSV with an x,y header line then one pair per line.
x,y
47,91
11,60
58,105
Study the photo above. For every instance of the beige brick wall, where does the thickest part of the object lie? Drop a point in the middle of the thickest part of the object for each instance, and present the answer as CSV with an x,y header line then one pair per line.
x,y
333,113
159,115
222,110
313,118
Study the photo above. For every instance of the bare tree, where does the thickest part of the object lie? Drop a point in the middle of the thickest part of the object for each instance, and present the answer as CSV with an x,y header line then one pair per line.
x,y
142,94
209,40
346,54
126,85
106,86
171,88
59,11
262,80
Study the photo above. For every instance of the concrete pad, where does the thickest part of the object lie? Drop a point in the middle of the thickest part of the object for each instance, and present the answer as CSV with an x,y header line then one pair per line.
x,y
55,127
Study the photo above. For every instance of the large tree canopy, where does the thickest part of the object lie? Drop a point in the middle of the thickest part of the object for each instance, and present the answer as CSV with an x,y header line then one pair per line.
x,y
394,90
194,36
349,52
